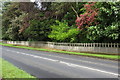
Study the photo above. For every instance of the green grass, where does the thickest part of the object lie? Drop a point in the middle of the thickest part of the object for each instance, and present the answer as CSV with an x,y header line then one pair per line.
x,y
116,57
10,71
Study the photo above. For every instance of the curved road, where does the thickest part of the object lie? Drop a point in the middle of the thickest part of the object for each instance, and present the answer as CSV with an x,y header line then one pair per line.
x,y
55,65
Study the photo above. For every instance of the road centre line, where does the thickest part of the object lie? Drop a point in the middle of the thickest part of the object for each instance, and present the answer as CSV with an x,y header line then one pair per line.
x,y
77,60
81,61
68,64
90,58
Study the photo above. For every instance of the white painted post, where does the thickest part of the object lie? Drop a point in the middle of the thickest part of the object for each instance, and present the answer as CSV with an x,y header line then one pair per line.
x,y
114,45
117,45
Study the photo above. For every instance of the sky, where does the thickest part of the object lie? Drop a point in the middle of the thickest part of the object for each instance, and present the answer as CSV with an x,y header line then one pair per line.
x,y
32,0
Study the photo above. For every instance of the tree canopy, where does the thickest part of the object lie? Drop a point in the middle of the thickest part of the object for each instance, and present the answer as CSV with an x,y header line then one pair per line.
x,y
61,21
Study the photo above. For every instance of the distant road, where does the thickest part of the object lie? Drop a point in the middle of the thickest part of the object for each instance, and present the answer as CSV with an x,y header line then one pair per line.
x,y
55,65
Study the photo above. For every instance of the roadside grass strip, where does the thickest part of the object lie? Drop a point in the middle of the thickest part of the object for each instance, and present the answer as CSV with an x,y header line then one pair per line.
x,y
10,71
115,57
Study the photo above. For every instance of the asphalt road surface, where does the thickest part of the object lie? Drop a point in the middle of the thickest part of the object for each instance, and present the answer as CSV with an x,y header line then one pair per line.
x,y
55,65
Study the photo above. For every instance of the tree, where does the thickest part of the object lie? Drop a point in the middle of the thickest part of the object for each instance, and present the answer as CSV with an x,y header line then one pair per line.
x,y
18,17
88,18
108,29
29,21
10,13
63,33
38,31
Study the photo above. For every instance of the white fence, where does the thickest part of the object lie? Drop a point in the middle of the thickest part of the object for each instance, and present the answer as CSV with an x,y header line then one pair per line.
x,y
109,48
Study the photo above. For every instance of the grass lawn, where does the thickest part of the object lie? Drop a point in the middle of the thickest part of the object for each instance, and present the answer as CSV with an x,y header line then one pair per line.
x,y
116,57
10,71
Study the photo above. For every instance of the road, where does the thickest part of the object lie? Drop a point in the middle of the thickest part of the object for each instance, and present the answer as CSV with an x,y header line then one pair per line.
x,y
55,65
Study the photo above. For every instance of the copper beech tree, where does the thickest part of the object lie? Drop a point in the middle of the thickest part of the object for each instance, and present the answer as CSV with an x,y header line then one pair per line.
x,y
89,17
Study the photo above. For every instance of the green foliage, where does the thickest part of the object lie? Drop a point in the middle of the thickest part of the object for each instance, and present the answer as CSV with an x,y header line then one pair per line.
x,y
113,31
108,12
109,33
38,30
23,21
69,14
11,21
108,29
62,32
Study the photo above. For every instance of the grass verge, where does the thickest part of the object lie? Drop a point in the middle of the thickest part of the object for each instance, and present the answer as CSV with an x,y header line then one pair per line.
x,y
10,71
115,57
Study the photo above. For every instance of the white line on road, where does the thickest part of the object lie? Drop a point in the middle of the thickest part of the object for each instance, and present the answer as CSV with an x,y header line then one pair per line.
x,y
81,61
84,61
68,64
75,65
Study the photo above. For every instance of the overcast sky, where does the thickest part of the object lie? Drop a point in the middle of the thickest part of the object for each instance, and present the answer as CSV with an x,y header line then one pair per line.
x,y
32,0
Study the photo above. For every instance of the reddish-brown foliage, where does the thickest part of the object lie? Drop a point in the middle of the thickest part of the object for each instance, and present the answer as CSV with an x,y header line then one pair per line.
x,y
88,18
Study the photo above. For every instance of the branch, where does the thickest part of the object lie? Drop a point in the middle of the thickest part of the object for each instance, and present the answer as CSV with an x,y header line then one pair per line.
x,y
74,11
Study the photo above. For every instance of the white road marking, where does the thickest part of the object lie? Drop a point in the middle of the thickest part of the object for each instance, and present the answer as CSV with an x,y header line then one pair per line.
x,y
68,64
80,60
75,65
7,50
76,60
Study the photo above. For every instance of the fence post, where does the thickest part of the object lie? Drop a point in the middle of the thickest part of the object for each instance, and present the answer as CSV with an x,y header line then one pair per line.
x,y
114,45
117,45
105,44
